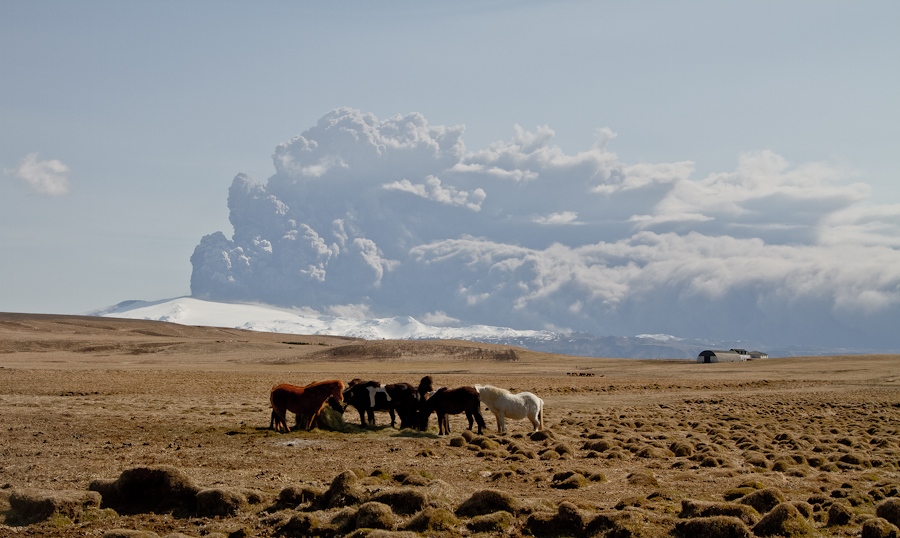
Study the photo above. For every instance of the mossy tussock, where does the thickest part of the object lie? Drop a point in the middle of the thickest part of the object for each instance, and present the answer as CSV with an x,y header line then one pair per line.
x,y
845,456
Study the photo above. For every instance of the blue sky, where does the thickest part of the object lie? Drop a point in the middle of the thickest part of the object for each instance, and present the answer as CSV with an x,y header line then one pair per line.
x,y
149,110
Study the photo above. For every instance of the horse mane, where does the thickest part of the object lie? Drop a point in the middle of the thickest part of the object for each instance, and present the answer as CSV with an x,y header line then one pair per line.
x,y
332,382
430,394
335,385
362,384
490,389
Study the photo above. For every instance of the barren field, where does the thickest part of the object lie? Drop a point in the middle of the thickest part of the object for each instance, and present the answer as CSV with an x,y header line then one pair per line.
x,y
179,416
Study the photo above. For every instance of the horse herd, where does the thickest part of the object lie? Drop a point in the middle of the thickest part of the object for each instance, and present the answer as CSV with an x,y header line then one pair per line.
x,y
413,405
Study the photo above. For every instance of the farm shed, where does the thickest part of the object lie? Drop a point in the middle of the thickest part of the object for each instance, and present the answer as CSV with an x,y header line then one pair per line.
x,y
758,355
719,356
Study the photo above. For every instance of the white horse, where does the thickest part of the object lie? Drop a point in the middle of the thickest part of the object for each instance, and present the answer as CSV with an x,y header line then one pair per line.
x,y
503,404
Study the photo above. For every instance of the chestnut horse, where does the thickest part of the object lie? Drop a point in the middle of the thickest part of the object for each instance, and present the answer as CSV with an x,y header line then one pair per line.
x,y
445,402
306,401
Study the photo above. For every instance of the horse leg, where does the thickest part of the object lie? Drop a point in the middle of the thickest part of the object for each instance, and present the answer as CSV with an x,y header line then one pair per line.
x,y
371,413
393,418
497,416
501,422
443,424
470,418
480,420
312,419
279,419
534,423
407,418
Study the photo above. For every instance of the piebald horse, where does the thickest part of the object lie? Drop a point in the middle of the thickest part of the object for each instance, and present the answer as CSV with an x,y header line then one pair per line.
x,y
306,401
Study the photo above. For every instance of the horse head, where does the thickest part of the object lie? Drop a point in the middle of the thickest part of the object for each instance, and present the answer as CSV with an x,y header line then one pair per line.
x,y
426,385
336,405
338,392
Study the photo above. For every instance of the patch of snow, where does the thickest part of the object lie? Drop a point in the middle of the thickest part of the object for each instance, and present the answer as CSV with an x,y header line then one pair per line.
x,y
660,337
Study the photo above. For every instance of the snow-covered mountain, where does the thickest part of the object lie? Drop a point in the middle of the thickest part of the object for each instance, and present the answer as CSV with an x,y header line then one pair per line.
x,y
257,317
190,311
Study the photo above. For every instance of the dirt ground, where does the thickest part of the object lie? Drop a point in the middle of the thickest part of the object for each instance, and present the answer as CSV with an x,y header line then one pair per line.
x,y
84,399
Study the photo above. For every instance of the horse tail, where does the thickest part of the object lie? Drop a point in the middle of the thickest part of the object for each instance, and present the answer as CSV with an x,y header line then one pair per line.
x,y
541,416
279,416
272,399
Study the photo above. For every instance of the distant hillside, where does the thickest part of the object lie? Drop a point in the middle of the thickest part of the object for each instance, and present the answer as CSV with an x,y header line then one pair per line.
x,y
588,345
257,317
636,347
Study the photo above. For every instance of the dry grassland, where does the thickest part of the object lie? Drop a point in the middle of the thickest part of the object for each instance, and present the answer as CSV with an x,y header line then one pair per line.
x,y
788,447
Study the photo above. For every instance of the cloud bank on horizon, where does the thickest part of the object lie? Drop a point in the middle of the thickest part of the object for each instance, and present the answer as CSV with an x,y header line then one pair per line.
x,y
396,217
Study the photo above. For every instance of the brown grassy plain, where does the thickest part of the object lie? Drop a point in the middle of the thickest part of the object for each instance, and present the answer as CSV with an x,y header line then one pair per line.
x,y
86,398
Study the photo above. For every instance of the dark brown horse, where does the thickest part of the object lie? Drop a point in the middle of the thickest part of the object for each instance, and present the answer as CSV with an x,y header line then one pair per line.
x,y
306,401
446,402
426,385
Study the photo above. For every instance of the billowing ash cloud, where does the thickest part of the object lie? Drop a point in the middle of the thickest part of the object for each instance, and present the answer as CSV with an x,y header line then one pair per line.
x,y
396,217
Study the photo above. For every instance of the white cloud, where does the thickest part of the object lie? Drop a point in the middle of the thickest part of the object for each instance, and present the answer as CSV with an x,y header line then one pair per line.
x,y
44,177
643,175
555,219
439,319
762,185
353,311
349,144
369,252
325,164
533,154
512,175
862,224
522,234
433,190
